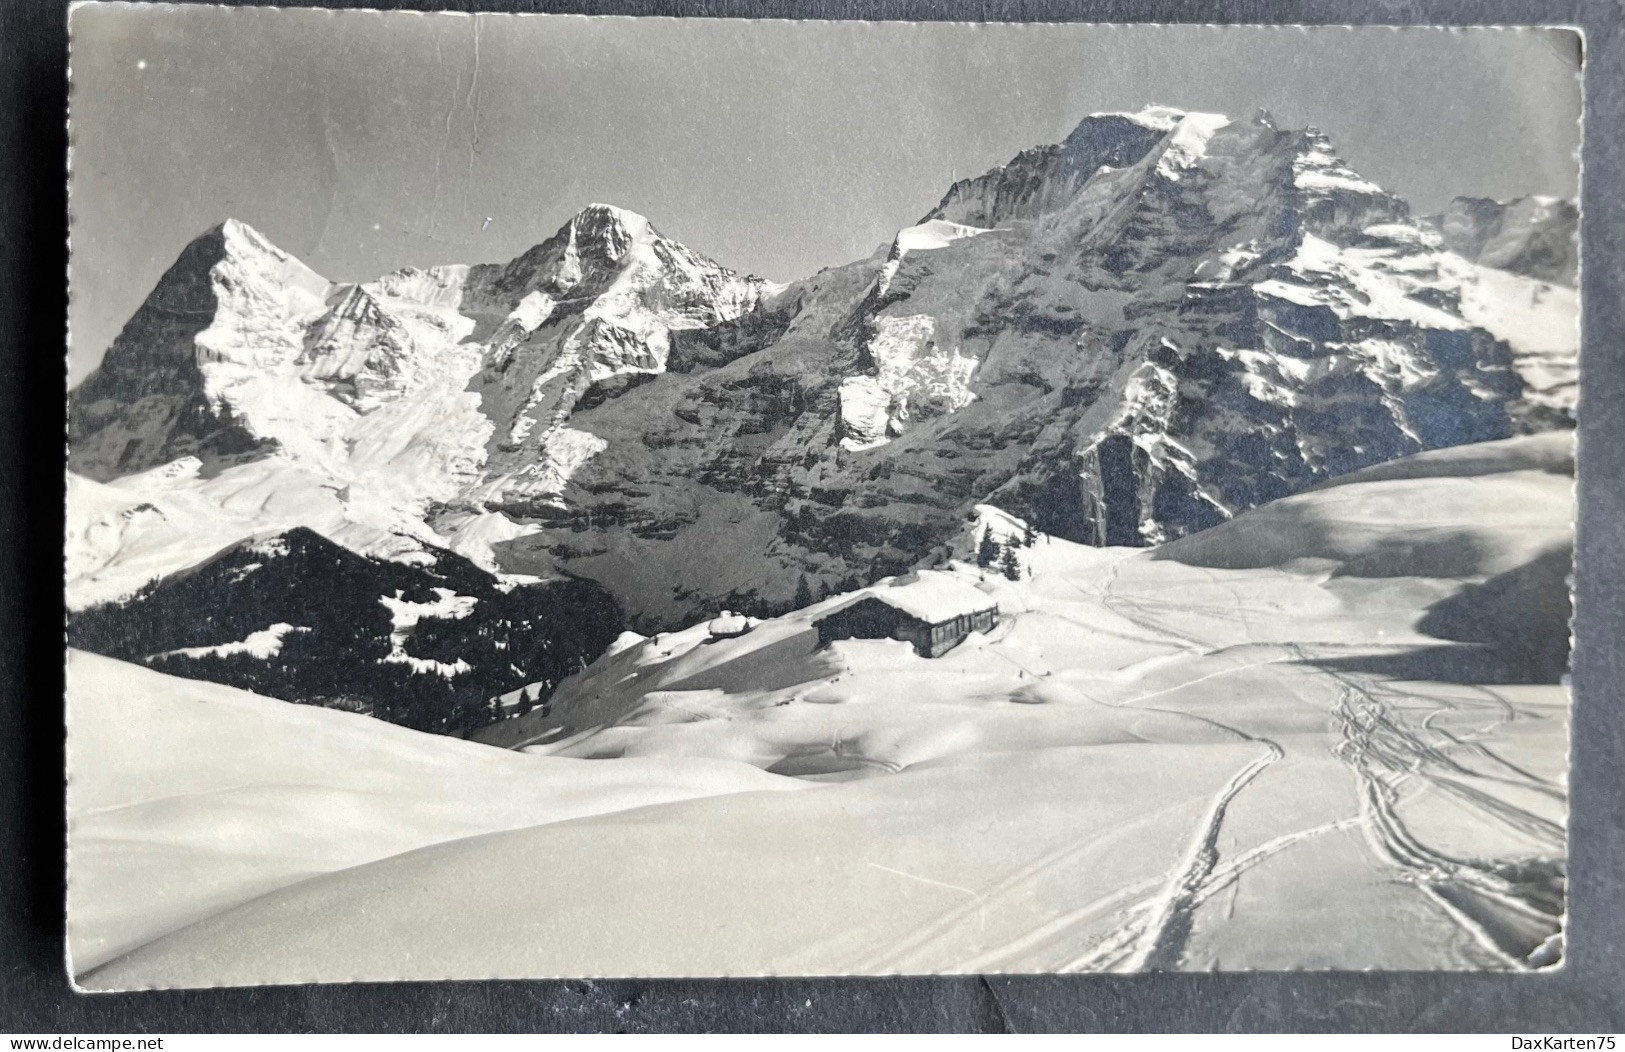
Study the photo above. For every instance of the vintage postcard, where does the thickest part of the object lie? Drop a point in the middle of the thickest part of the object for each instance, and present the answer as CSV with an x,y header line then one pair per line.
x,y
579,497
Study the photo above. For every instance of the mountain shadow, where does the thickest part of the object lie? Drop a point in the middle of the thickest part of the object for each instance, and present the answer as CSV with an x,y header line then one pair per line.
x,y
1512,628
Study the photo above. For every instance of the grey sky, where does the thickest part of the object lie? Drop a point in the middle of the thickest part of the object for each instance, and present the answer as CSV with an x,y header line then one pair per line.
x,y
363,142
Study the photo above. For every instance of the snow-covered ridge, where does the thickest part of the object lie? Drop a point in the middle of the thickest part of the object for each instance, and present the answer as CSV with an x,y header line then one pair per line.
x,y
1534,236
1167,316
1188,141
1319,169
1157,118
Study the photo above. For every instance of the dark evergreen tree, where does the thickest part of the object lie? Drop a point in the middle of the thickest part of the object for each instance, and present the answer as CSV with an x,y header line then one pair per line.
x,y
1029,536
987,552
1009,564
804,595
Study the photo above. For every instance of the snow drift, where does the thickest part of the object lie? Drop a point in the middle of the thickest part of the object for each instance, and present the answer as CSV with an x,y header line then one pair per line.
x,y
188,798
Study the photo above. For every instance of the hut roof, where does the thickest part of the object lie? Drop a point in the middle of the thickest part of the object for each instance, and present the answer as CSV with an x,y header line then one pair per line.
x,y
928,595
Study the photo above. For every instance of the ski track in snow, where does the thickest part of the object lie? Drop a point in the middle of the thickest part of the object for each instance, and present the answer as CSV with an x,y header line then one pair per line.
x,y
1162,940
1152,932
1384,755
1153,919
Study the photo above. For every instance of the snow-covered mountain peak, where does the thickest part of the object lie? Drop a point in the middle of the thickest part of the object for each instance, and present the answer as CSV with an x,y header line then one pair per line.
x,y
1104,161
593,306
232,309
256,258
237,232
1042,179
1158,118
1157,142
1126,336
613,229
234,260
595,250
595,242
1187,141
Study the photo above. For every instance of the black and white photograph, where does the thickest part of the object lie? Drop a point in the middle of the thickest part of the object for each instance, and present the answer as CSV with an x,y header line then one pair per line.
x,y
562,496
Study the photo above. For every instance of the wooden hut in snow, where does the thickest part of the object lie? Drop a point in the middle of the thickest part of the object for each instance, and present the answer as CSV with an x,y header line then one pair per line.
x,y
933,612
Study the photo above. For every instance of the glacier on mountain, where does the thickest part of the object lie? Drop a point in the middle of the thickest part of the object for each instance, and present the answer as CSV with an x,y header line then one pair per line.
x,y
1134,334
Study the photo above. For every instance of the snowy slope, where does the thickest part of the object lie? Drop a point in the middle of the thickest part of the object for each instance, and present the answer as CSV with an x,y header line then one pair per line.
x,y
188,798
126,533
1259,747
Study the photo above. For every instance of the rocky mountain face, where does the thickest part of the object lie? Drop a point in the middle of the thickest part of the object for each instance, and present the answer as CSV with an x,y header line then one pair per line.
x,y
589,312
231,303
295,616
1125,337
1534,236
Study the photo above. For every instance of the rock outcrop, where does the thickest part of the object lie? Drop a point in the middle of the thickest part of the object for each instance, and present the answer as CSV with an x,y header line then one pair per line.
x,y
1535,236
1124,338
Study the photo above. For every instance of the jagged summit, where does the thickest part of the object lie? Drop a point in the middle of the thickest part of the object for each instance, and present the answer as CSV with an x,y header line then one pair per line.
x,y
1154,116
1125,336
1044,179
608,232
251,245
232,304
601,216
591,309
589,253
1301,169
188,286
234,228
1037,180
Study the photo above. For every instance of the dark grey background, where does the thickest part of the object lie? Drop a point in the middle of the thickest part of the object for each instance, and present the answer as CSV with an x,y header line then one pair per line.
x,y
1587,994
